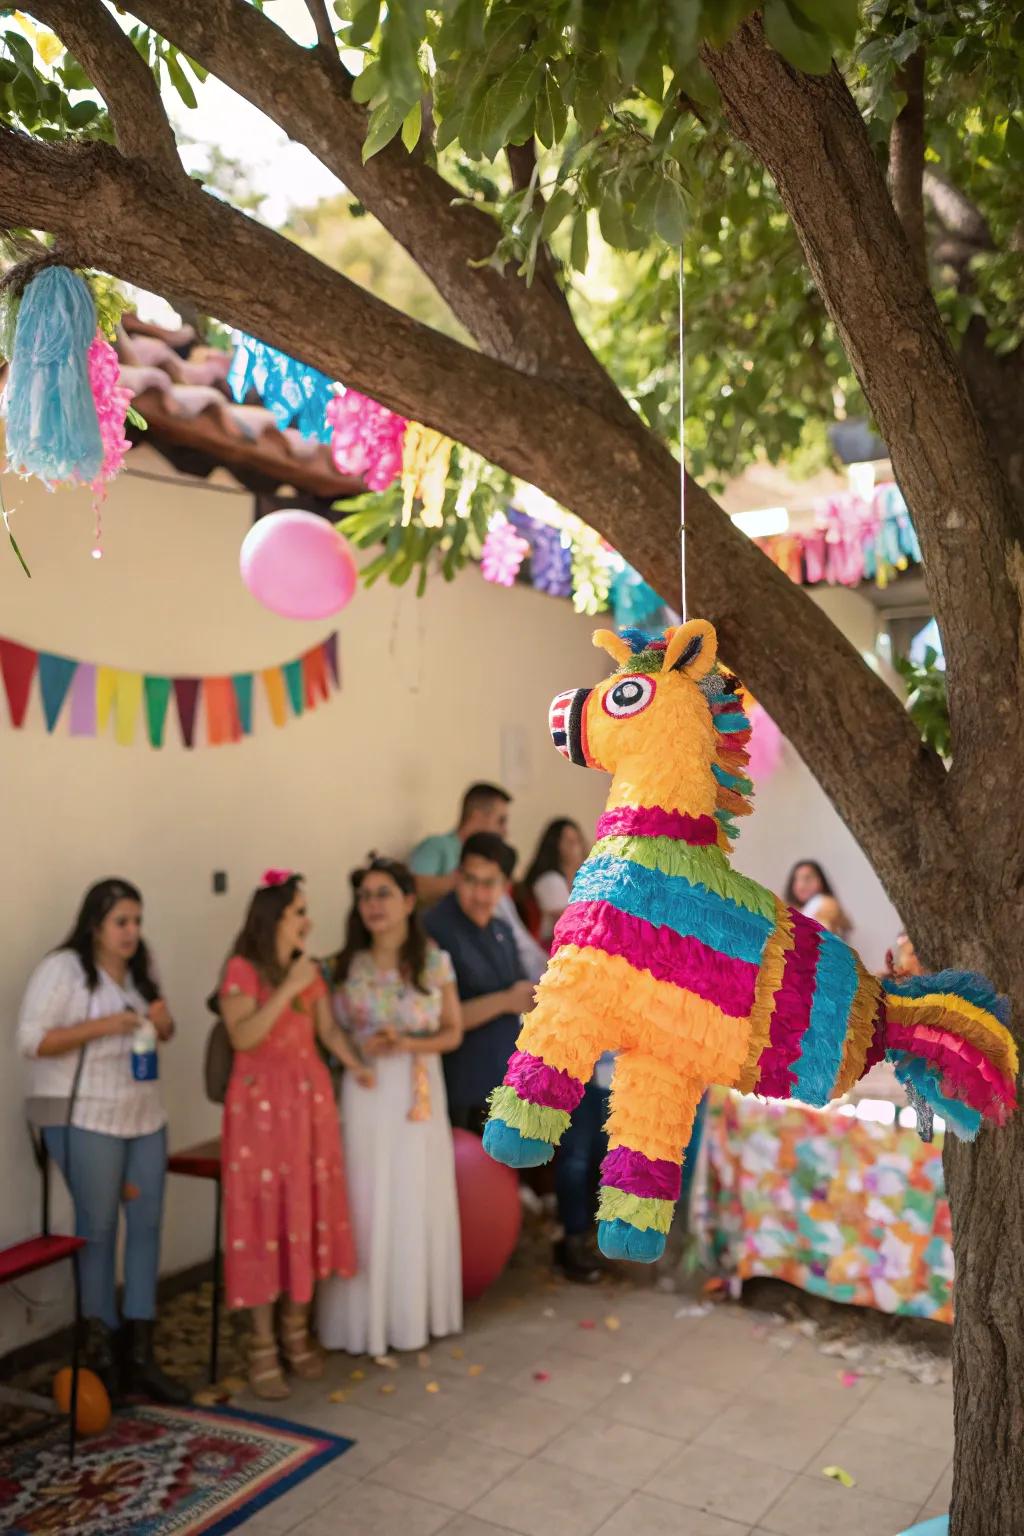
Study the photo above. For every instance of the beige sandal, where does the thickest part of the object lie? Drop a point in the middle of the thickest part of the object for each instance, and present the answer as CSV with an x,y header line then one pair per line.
x,y
265,1376
301,1353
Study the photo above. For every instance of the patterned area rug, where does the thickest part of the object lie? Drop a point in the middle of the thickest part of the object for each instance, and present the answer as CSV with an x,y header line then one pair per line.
x,y
158,1472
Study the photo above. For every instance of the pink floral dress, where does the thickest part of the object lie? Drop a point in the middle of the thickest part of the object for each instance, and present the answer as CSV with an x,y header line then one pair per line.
x,y
285,1200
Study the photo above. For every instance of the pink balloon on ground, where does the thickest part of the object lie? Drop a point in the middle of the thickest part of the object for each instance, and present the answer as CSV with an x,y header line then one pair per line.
x,y
298,565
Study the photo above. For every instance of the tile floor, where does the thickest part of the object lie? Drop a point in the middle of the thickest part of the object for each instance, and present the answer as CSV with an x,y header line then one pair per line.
x,y
657,1426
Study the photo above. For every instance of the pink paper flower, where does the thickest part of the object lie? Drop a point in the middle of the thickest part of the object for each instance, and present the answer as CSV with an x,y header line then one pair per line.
x,y
112,399
272,877
366,439
503,553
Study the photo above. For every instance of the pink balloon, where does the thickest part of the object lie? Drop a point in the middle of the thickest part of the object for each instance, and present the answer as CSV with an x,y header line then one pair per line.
x,y
298,565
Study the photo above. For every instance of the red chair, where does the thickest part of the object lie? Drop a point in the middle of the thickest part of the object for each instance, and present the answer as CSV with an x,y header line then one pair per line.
x,y
203,1162
24,1259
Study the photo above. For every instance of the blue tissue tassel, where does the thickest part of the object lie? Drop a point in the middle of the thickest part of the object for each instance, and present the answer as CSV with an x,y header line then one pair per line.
x,y
52,428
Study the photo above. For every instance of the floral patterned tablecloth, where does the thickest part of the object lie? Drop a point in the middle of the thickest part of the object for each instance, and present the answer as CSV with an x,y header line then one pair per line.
x,y
843,1208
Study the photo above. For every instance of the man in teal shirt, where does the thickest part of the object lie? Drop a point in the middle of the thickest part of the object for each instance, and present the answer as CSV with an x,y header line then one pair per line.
x,y
435,863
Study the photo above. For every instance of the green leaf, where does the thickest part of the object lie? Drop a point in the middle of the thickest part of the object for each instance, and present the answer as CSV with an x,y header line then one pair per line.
x,y
17,551
506,101
399,50
587,102
365,17
412,127
612,221
367,83
559,208
82,113
385,121
579,249
552,113
670,212
179,79
838,19
801,44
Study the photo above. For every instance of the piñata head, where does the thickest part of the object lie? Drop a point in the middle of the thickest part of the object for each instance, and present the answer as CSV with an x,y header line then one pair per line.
x,y
669,724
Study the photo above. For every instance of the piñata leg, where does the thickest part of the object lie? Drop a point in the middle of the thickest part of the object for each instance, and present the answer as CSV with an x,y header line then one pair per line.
x,y
553,1061
652,1112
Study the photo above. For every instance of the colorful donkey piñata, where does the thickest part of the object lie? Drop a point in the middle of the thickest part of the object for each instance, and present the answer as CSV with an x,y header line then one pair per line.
x,y
697,975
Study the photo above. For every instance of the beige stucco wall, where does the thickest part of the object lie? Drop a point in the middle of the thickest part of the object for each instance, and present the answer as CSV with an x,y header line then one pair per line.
x,y
435,692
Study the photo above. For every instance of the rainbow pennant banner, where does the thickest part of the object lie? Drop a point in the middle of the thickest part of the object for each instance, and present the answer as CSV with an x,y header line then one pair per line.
x,y
93,697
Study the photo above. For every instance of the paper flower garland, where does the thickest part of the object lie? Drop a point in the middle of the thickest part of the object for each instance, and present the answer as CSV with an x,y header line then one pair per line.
x,y
112,399
503,553
366,439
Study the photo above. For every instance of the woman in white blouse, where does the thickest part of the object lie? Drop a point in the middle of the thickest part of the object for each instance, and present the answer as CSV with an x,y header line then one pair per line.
x,y
560,852
89,1025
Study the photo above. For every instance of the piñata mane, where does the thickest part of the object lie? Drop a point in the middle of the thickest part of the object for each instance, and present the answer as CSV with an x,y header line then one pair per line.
x,y
724,694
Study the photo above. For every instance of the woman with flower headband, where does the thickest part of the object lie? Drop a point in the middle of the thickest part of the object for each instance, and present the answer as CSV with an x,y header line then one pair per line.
x,y
395,990
285,1203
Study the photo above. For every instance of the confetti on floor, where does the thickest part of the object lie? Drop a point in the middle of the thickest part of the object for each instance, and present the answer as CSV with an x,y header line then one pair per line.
x,y
338,1396
209,1398
849,1378
475,1370
625,1378
549,1312
839,1475
386,1362
458,1354
612,1324
357,1375
433,1386
232,1385
542,1375
587,1322
387,1387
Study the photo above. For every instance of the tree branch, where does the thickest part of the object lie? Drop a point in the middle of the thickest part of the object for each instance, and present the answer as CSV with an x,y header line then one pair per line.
x,y
174,237
120,74
955,211
809,135
906,160
325,35
527,327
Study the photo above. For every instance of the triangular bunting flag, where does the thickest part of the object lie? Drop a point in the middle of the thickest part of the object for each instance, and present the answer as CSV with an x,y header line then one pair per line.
x,y
242,684
222,723
158,696
273,681
127,703
331,657
106,690
314,677
186,697
83,700
18,665
293,678
55,674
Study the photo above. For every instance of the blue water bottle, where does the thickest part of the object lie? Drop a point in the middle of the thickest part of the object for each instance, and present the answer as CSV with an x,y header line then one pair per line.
x,y
145,1062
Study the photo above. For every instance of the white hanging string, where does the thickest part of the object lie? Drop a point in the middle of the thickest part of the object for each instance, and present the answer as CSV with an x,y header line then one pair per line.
x,y
682,437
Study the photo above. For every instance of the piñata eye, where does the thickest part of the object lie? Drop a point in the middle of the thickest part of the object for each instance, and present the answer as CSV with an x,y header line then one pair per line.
x,y
629,696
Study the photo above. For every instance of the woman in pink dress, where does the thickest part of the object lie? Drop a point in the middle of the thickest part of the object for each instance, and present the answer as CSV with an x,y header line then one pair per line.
x,y
285,1203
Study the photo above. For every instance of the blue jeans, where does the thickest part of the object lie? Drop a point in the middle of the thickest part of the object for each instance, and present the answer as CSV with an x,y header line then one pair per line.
x,y
96,1168
578,1168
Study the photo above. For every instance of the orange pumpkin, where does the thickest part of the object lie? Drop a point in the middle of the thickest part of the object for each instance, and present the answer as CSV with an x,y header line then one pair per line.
x,y
93,1407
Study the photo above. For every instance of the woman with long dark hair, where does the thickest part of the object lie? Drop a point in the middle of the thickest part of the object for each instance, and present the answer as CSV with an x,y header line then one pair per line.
x,y
809,890
548,882
89,1025
394,989
285,1203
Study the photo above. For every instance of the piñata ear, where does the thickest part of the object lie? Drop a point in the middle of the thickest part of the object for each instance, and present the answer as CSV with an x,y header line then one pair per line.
x,y
618,649
692,648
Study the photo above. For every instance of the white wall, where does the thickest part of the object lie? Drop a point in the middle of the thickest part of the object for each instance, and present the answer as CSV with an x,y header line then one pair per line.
x,y
436,692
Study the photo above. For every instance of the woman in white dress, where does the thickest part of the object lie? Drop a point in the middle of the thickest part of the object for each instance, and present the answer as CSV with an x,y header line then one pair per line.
x,y
394,990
